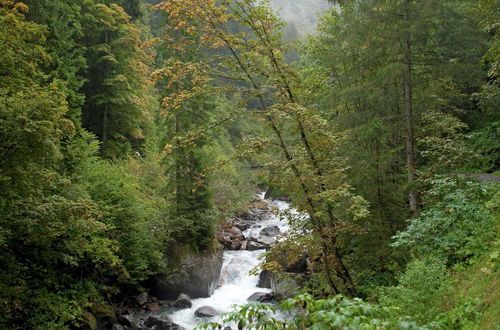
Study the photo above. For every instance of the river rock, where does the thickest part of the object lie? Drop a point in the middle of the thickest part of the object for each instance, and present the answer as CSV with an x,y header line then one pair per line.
x,y
206,311
284,285
127,320
252,246
142,299
183,301
257,211
117,326
260,297
270,231
264,279
160,323
242,224
265,240
236,231
236,245
230,236
197,276
153,307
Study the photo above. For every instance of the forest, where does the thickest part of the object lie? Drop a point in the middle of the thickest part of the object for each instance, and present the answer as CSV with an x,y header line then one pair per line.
x,y
134,132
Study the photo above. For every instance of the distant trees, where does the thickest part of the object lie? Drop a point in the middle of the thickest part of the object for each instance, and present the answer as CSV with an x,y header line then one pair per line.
x,y
116,80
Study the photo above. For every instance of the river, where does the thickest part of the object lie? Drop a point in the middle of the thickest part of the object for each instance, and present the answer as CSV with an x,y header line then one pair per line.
x,y
236,283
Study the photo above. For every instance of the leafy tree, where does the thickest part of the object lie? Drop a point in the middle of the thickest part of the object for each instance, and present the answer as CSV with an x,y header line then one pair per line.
x,y
47,227
421,290
362,55
65,22
277,96
456,223
116,80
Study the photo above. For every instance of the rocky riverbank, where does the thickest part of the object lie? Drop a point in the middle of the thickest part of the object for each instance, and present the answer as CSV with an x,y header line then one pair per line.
x,y
198,275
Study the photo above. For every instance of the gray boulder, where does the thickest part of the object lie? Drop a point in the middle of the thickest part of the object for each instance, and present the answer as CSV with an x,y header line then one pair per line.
x,y
160,323
197,276
271,231
242,224
260,297
183,301
128,320
285,284
252,246
264,279
206,311
236,231
265,240
142,298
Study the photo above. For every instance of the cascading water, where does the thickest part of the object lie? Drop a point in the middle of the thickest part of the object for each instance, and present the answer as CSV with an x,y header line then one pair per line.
x,y
236,284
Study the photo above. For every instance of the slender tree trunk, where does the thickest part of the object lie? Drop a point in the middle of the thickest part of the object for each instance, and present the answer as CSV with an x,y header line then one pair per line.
x,y
408,106
104,131
177,164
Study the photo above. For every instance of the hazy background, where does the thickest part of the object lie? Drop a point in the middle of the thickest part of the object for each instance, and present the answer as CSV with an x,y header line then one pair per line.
x,y
301,15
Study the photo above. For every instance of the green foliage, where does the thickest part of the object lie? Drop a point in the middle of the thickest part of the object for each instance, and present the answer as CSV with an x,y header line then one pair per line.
x,y
116,85
485,142
421,289
98,182
309,313
64,22
131,215
456,223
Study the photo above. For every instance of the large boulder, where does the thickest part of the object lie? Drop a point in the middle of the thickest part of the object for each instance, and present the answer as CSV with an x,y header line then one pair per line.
x,y
142,298
236,231
197,276
265,240
183,301
160,323
206,311
230,236
252,246
261,297
285,284
128,320
264,279
270,231
242,224
257,211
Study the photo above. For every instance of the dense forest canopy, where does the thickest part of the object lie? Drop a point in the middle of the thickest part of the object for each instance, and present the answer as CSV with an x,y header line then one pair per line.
x,y
130,130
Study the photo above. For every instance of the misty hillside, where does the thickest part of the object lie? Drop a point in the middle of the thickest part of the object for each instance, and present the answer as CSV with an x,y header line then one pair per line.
x,y
301,15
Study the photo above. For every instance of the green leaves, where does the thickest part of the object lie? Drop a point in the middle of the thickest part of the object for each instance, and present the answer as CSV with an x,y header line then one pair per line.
x,y
306,312
456,223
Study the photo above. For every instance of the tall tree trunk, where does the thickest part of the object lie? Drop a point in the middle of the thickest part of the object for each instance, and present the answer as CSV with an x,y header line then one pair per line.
x,y
177,164
104,131
408,106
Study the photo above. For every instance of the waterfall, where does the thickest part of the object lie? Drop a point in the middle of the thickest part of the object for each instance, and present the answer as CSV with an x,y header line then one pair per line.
x,y
236,284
